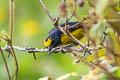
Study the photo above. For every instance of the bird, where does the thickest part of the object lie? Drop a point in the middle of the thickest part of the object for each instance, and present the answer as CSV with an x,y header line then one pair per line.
x,y
56,37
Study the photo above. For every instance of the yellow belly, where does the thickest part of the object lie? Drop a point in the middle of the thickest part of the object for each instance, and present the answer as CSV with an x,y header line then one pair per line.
x,y
77,33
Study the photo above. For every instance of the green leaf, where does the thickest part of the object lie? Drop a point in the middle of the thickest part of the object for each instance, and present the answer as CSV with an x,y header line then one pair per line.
x,y
114,24
97,30
101,7
116,72
115,45
100,52
118,7
104,77
115,41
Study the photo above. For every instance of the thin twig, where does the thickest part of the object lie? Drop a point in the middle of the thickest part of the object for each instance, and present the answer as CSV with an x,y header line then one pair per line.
x,y
80,22
7,42
11,18
75,4
113,77
76,40
106,71
3,38
11,36
103,36
55,21
6,65
16,62
46,10
57,25
75,14
90,38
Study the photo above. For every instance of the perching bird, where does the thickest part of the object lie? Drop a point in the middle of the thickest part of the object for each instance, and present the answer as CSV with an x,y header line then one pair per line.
x,y
56,37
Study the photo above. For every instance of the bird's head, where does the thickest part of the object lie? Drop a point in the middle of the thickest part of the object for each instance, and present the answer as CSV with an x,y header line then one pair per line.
x,y
52,41
48,42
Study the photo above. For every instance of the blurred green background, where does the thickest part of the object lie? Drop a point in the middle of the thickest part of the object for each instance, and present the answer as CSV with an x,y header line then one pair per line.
x,y
31,27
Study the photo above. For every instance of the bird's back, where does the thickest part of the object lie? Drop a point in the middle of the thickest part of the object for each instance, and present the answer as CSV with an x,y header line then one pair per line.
x,y
75,31
55,30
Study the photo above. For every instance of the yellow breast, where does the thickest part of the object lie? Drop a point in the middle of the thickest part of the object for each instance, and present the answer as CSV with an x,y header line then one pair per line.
x,y
79,33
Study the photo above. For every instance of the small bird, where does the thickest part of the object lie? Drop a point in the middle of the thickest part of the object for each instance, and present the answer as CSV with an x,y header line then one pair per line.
x,y
56,37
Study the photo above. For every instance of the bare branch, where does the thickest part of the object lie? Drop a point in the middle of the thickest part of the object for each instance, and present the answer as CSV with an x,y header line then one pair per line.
x,y
77,56
77,41
106,71
3,38
46,10
11,18
75,4
11,36
81,21
55,21
6,65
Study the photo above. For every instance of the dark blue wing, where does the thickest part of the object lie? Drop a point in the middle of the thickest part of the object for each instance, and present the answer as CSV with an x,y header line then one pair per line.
x,y
54,30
